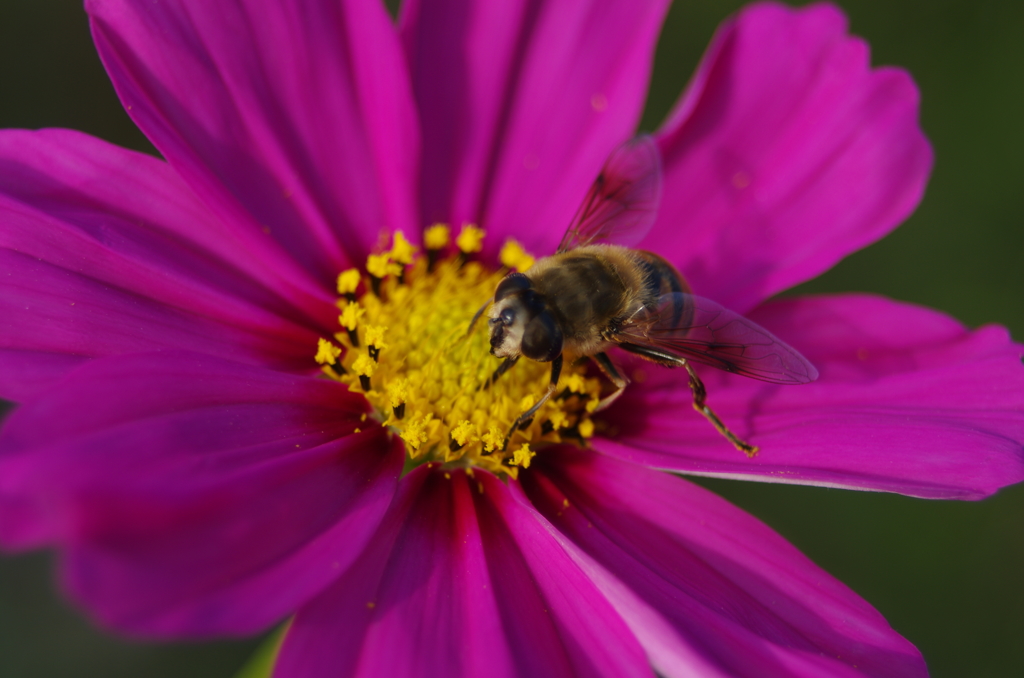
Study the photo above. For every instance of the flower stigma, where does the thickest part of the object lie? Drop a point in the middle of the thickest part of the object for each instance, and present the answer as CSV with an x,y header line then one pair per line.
x,y
405,344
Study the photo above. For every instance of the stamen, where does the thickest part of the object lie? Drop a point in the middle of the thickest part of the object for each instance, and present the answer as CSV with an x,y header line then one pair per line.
x,y
514,256
402,252
435,240
408,351
398,393
379,266
364,366
327,354
348,282
375,341
462,434
523,455
470,240
436,237
349,319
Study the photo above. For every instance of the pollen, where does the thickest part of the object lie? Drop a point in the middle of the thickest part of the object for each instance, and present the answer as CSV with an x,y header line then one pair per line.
x,y
407,345
523,455
364,366
470,240
348,281
375,336
436,237
350,315
402,250
326,352
514,256
380,265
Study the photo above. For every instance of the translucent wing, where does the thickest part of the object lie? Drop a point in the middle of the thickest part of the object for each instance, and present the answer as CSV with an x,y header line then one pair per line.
x,y
622,202
704,332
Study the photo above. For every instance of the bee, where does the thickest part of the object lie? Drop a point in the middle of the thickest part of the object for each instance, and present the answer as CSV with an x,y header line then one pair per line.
x,y
596,293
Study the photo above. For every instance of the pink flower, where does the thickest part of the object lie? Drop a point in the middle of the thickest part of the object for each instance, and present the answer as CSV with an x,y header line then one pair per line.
x,y
199,476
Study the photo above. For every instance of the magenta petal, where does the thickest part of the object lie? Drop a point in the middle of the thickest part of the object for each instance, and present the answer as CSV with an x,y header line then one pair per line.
x,y
460,581
106,251
298,115
521,102
106,208
191,496
785,154
708,589
908,401
52,310
24,374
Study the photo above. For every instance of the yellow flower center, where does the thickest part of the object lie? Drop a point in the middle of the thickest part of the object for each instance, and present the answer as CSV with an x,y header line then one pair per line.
x,y
406,345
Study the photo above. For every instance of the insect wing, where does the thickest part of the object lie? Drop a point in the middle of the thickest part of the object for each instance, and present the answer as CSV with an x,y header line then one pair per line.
x,y
704,332
623,201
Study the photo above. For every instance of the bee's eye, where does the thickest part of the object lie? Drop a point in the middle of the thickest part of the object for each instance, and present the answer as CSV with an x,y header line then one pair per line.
x,y
513,283
542,338
507,316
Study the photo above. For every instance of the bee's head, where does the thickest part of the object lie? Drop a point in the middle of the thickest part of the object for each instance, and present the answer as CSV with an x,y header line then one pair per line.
x,y
521,323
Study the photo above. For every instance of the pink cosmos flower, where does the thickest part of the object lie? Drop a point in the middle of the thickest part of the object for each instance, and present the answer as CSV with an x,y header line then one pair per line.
x,y
198,474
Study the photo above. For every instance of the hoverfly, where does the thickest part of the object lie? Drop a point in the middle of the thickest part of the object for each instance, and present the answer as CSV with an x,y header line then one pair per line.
x,y
596,293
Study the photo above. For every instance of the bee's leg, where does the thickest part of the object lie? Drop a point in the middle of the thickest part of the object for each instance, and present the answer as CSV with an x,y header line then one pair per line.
x,y
476,316
612,372
700,394
504,367
556,371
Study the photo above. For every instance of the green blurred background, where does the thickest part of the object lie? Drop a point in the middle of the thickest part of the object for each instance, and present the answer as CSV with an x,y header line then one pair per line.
x,y
947,575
